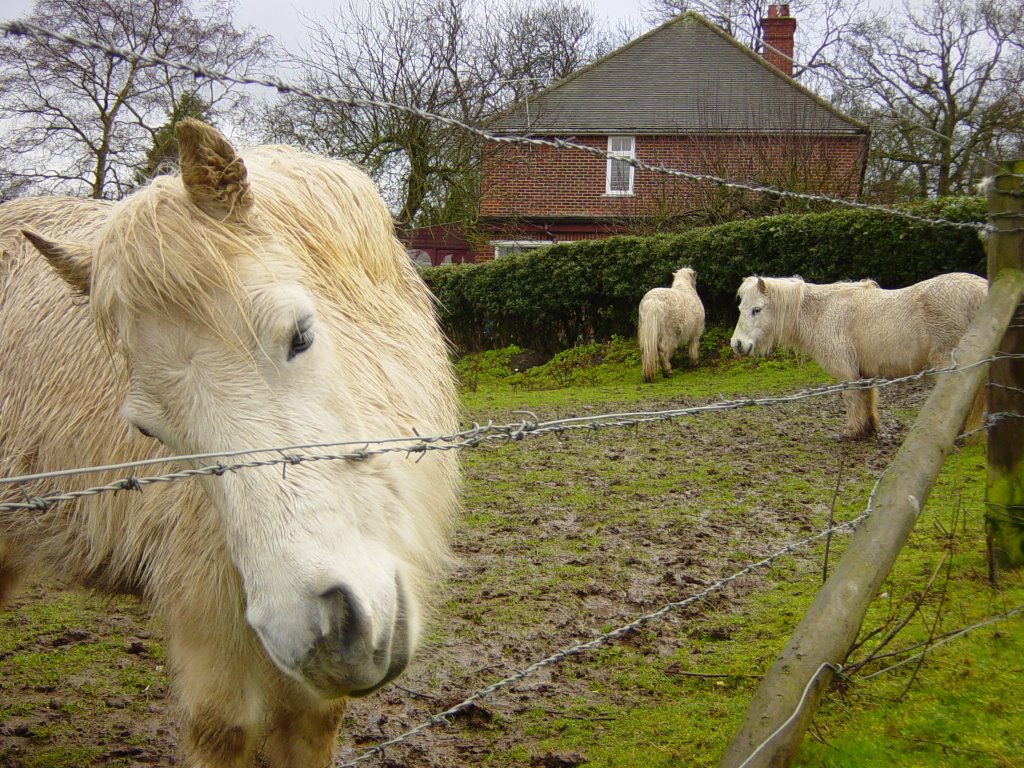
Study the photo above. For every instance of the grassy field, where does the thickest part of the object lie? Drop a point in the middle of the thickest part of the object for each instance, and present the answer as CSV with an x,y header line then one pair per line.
x,y
566,537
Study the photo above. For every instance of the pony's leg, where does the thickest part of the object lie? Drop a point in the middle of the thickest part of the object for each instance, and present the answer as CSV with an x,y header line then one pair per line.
x,y
215,662
301,730
10,578
872,406
694,351
10,574
221,717
665,357
861,413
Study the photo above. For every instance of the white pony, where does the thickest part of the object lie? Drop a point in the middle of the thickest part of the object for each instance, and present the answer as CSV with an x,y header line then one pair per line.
x,y
669,318
858,330
242,304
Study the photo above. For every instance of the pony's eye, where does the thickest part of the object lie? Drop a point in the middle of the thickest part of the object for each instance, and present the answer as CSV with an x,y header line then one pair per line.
x,y
755,310
146,433
302,340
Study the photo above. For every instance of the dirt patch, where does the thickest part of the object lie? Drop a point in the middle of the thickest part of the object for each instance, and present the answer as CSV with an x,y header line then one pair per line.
x,y
526,359
564,539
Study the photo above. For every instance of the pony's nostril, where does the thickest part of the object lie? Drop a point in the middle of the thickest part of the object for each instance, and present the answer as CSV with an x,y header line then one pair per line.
x,y
350,657
342,618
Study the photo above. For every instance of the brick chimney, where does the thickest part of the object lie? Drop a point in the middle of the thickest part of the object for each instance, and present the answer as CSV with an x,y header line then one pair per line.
x,y
777,30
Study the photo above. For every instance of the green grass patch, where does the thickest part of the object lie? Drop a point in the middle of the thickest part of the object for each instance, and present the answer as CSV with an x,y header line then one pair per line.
x,y
564,537
641,706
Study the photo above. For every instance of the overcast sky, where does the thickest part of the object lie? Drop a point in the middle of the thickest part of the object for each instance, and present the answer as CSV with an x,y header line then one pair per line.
x,y
287,20
289,26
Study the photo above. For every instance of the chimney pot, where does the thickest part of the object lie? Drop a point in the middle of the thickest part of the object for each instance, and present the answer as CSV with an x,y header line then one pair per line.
x,y
777,32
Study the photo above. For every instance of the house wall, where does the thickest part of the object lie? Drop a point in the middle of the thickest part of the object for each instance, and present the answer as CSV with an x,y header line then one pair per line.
x,y
529,181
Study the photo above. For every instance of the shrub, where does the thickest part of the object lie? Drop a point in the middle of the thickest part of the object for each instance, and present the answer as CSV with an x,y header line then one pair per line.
x,y
558,297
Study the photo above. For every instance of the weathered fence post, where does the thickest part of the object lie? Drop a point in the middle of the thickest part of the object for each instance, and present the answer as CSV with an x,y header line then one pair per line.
x,y
778,715
1004,516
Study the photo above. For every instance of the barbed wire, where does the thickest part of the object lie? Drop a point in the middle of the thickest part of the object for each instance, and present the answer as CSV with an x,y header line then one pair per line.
x,y
442,718
477,435
42,34
840,670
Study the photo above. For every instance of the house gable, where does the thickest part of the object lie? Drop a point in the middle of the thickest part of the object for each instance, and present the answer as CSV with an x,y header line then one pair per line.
x,y
685,77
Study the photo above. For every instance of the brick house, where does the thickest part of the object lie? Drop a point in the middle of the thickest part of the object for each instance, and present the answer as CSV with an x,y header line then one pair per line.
x,y
686,96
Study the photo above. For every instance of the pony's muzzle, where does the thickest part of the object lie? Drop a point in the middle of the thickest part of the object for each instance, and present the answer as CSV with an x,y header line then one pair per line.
x,y
740,348
350,658
337,646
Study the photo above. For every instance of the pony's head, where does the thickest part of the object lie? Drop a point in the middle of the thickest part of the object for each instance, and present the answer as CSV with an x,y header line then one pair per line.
x,y
684,276
768,309
265,304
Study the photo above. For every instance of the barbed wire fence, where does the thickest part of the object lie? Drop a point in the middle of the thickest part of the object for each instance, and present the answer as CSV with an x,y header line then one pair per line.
x,y
493,435
487,434
475,435
444,717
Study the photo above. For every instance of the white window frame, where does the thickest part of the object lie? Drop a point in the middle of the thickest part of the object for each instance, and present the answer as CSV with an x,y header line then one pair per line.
x,y
613,153
507,247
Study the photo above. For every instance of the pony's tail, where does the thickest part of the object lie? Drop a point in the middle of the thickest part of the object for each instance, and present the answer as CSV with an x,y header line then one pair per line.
x,y
647,333
976,416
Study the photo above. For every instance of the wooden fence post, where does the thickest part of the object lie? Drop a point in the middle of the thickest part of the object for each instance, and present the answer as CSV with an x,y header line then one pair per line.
x,y
779,713
1004,515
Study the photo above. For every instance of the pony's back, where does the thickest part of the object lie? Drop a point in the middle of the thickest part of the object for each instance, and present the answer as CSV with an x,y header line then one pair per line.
x,y
949,302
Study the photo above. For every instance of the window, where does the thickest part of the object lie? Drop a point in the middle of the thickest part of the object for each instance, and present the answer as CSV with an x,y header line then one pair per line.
x,y
507,247
620,174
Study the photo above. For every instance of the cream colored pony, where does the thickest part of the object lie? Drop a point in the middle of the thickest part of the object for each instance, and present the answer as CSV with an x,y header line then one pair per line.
x,y
670,318
858,330
238,305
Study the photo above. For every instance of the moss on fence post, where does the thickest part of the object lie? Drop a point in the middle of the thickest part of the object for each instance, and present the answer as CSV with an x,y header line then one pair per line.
x,y
1005,491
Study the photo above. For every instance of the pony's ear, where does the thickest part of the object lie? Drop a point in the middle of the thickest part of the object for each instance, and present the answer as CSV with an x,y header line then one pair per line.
x,y
72,261
761,285
212,172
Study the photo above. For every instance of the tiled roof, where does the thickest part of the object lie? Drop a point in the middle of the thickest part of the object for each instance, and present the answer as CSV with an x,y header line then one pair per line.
x,y
686,76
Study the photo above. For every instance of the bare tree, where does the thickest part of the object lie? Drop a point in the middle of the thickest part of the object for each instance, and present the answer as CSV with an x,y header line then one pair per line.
x,y
821,24
539,43
80,121
940,87
463,59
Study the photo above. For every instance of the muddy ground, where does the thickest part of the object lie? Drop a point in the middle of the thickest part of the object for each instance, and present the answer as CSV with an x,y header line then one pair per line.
x,y
564,539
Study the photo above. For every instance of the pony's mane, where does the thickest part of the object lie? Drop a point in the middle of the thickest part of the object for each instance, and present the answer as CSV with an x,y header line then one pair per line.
x,y
158,251
784,295
173,258
331,215
855,284
682,276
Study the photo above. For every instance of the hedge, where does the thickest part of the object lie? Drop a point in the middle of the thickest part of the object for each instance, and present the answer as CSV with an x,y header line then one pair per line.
x,y
552,298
